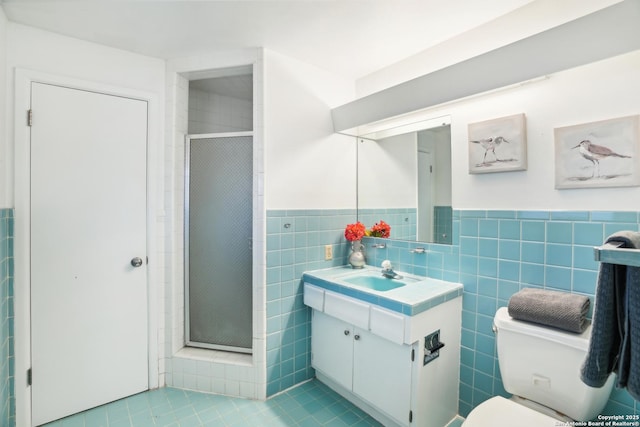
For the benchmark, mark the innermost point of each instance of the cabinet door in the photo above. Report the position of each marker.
(332, 348)
(382, 374)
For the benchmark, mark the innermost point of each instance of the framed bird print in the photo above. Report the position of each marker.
(605, 153)
(498, 145)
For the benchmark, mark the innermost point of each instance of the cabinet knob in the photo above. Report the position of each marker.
(356, 337)
(347, 332)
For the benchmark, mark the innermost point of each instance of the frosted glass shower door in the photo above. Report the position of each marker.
(218, 242)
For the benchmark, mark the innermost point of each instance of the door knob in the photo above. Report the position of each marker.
(136, 262)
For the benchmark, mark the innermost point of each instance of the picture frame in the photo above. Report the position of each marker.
(498, 145)
(604, 153)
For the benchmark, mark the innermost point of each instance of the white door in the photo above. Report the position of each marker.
(88, 222)
(425, 196)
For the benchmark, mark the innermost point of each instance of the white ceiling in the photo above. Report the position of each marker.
(352, 38)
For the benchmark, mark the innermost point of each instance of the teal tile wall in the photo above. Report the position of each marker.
(503, 251)
(495, 254)
(437, 261)
(7, 400)
(402, 221)
(442, 224)
(296, 242)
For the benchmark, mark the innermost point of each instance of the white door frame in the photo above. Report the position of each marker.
(22, 293)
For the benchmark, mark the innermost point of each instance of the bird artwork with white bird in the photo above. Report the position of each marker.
(605, 153)
(594, 153)
(490, 144)
(498, 145)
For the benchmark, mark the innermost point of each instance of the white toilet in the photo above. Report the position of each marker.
(540, 367)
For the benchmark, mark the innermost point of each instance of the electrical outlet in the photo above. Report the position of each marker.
(328, 252)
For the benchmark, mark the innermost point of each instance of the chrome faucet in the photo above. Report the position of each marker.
(387, 270)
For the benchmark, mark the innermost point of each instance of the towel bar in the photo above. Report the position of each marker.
(612, 253)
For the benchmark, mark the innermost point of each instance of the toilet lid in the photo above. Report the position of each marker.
(499, 412)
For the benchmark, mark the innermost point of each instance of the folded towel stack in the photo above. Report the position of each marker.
(550, 308)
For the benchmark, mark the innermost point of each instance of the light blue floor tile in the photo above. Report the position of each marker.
(310, 404)
(456, 422)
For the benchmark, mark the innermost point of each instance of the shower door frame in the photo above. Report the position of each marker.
(187, 174)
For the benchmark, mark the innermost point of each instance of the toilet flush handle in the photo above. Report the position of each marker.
(540, 381)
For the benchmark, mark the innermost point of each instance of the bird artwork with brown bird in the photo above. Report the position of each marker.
(594, 153)
(490, 144)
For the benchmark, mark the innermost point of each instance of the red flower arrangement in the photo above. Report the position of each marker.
(380, 229)
(355, 231)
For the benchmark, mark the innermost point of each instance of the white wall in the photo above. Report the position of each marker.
(39, 50)
(388, 172)
(598, 91)
(6, 161)
(308, 166)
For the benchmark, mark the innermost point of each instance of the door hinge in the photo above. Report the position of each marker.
(410, 416)
(29, 376)
(413, 354)
(430, 168)
(29, 118)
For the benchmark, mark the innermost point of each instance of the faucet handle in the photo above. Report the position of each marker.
(386, 264)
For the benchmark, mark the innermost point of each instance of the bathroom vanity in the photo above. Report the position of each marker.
(391, 346)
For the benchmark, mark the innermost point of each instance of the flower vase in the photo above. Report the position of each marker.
(356, 257)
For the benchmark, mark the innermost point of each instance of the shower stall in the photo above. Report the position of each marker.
(218, 242)
(218, 218)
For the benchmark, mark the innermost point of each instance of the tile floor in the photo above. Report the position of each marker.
(310, 404)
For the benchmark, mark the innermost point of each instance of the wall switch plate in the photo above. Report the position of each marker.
(328, 252)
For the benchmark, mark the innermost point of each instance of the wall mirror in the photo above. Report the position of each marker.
(404, 179)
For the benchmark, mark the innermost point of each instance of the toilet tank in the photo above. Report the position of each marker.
(543, 365)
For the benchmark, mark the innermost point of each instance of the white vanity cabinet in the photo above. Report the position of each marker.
(375, 369)
(380, 359)
(332, 348)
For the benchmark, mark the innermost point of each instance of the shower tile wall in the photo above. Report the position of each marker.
(7, 399)
(295, 243)
(495, 254)
(219, 372)
(212, 113)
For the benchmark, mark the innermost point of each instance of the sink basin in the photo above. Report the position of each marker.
(409, 294)
(376, 283)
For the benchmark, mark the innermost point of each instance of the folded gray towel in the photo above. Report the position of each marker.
(560, 310)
